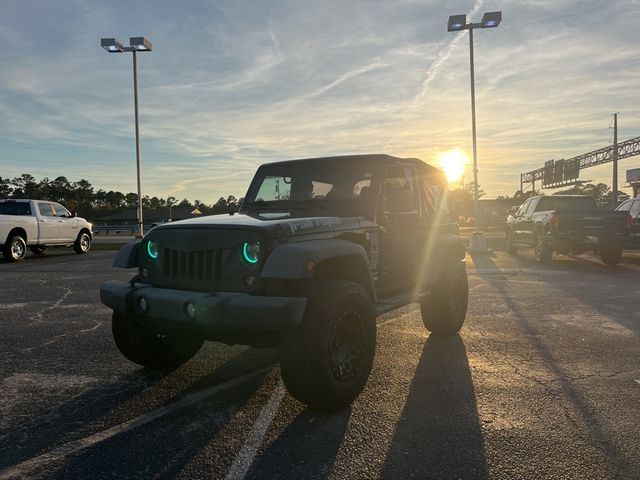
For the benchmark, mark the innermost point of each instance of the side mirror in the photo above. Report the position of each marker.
(74, 214)
(232, 208)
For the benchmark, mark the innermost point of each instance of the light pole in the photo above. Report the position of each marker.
(478, 242)
(137, 44)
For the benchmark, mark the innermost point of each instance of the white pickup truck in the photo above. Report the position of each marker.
(39, 224)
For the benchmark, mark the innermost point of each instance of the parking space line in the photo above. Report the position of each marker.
(244, 459)
(73, 446)
(637, 381)
(396, 319)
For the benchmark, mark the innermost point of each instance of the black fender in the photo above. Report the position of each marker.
(332, 258)
(128, 256)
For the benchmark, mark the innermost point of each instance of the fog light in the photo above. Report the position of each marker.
(191, 310)
(144, 272)
(142, 303)
(250, 280)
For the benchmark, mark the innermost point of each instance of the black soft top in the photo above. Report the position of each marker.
(381, 158)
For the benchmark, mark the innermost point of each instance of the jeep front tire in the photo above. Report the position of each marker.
(151, 349)
(444, 308)
(326, 361)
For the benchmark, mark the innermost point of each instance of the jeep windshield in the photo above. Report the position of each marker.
(311, 185)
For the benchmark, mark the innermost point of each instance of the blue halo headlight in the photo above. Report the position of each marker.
(152, 249)
(251, 252)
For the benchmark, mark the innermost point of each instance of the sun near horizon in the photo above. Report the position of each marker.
(453, 163)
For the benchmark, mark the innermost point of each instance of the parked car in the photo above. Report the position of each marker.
(567, 224)
(632, 206)
(319, 248)
(37, 225)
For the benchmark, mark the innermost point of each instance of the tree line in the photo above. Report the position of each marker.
(83, 198)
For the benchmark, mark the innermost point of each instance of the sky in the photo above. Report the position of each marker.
(233, 84)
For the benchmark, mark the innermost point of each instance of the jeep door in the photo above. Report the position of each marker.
(401, 229)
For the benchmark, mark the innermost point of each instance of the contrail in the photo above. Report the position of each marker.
(442, 57)
(347, 76)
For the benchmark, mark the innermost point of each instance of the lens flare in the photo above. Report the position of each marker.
(453, 163)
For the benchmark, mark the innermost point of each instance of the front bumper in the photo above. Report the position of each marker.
(221, 311)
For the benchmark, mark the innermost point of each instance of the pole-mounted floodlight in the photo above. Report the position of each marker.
(137, 44)
(111, 45)
(491, 19)
(140, 44)
(456, 22)
(478, 242)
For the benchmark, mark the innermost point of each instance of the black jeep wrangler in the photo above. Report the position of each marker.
(317, 250)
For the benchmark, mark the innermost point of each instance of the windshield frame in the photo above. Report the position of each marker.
(320, 205)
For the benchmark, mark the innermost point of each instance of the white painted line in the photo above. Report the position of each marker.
(244, 459)
(22, 469)
(396, 319)
(637, 381)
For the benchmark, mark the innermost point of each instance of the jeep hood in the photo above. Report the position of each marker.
(281, 225)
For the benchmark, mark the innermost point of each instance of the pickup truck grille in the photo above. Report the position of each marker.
(180, 265)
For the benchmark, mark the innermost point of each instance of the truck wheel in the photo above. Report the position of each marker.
(37, 249)
(445, 307)
(326, 361)
(511, 248)
(15, 249)
(152, 349)
(83, 243)
(541, 249)
(611, 255)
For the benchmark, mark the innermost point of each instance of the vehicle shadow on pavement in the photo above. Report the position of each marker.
(307, 448)
(439, 434)
(567, 263)
(169, 446)
(60, 424)
(114, 402)
(599, 299)
(561, 386)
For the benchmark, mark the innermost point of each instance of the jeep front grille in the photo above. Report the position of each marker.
(180, 265)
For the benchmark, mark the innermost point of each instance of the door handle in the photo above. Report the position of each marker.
(43, 220)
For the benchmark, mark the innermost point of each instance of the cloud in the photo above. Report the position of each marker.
(226, 89)
(443, 56)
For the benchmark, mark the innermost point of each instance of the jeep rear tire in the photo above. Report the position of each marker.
(151, 349)
(611, 255)
(445, 307)
(326, 361)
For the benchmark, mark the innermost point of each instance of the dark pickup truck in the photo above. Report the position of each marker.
(319, 248)
(632, 207)
(567, 224)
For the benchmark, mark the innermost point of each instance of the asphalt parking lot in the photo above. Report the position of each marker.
(542, 382)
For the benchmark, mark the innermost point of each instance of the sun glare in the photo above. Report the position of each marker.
(453, 163)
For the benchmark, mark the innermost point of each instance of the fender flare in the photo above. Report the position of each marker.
(289, 261)
(128, 256)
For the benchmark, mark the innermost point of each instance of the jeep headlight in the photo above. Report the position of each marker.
(152, 249)
(251, 252)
